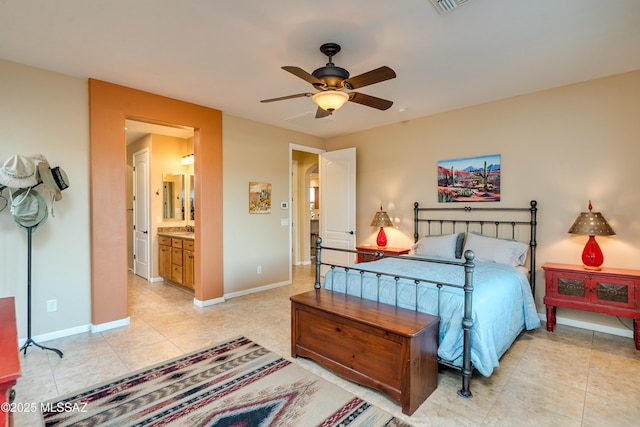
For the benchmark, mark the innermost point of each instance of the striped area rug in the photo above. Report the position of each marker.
(236, 383)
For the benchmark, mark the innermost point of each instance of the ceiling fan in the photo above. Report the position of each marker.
(332, 83)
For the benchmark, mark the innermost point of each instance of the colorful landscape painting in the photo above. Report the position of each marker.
(472, 179)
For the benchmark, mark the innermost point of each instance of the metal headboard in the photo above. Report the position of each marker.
(419, 216)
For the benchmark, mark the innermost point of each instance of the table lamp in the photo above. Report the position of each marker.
(592, 224)
(381, 219)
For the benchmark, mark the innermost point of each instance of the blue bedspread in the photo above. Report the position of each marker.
(502, 303)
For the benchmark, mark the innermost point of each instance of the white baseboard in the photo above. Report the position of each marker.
(56, 334)
(155, 279)
(208, 302)
(255, 290)
(77, 330)
(110, 325)
(622, 332)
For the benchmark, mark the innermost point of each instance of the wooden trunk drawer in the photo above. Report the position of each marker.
(188, 245)
(166, 241)
(359, 347)
(388, 348)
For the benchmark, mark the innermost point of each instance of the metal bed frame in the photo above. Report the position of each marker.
(453, 225)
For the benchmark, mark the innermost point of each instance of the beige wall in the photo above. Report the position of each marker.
(47, 113)
(560, 147)
(256, 152)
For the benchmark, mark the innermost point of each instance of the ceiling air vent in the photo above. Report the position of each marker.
(444, 6)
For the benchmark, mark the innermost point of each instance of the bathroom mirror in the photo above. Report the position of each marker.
(173, 188)
(191, 198)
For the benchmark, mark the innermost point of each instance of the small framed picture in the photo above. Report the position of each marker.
(259, 197)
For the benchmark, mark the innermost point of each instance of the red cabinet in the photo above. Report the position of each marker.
(611, 291)
(9, 361)
(371, 255)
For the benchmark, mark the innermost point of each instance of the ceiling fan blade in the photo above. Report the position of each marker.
(320, 113)
(299, 72)
(298, 95)
(371, 77)
(370, 101)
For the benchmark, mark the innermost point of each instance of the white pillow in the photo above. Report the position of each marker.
(501, 251)
(437, 246)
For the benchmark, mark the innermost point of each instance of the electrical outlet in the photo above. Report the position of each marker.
(52, 305)
(259, 270)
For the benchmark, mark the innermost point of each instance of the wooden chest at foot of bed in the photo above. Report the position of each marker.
(390, 349)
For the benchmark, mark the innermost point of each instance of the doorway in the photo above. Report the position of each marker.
(304, 169)
(337, 202)
(109, 104)
(166, 148)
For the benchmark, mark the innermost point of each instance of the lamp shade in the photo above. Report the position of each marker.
(592, 224)
(381, 219)
(330, 100)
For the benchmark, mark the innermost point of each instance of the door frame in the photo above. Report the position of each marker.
(294, 205)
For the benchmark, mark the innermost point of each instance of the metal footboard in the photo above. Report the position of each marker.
(467, 321)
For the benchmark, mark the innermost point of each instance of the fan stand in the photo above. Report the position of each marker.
(30, 340)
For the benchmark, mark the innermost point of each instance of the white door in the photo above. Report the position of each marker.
(141, 263)
(338, 204)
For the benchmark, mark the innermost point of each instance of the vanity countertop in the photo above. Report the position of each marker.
(178, 234)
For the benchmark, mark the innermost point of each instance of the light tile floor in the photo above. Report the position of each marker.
(572, 377)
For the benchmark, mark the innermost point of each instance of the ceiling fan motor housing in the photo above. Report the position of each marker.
(331, 75)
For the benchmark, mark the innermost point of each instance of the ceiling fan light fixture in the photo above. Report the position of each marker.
(330, 100)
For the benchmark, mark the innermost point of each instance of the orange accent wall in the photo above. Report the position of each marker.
(109, 106)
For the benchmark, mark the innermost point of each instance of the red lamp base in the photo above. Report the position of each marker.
(592, 256)
(382, 238)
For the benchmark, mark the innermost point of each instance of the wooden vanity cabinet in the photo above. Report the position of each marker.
(176, 260)
(164, 257)
(188, 256)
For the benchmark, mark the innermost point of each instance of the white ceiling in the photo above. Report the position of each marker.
(227, 54)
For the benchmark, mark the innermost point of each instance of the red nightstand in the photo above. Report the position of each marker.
(610, 291)
(371, 250)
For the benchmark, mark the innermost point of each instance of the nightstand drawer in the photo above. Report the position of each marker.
(617, 292)
(590, 287)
